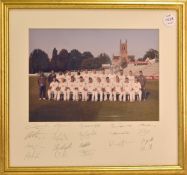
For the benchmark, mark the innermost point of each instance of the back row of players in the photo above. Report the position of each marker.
(96, 86)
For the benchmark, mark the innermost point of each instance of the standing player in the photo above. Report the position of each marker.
(142, 80)
(127, 90)
(60, 76)
(112, 76)
(42, 86)
(103, 76)
(86, 76)
(137, 90)
(77, 76)
(68, 76)
(94, 76)
(121, 76)
(51, 76)
(53, 89)
(131, 77)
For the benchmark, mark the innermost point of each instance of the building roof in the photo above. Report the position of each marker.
(116, 57)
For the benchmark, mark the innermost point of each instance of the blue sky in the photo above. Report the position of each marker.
(94, 40)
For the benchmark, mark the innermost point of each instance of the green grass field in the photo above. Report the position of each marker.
(93, 111)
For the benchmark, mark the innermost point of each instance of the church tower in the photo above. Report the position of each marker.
(122, 59)
(123, 52)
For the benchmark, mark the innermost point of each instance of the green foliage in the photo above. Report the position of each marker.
(151, 54)
(38, 61)
(62, 60)
(86, 55)
(53, 63)
(73, 60)
(96, 63)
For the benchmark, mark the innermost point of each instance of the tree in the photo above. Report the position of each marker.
(62, 60)
(151, 54)
(95, 63)
(103, 58)
(87, 63)
(38, 61)
(75, 59)
(86, 55)
(54, 58)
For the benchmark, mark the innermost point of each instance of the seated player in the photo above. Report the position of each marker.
(137, 90)
(74, 90)
(107, 90)
(117, 89)
(127, 90)
(82, 89)
(98, 90)
(90, 88)
(53, 89)
(71, 89)
(62, 89)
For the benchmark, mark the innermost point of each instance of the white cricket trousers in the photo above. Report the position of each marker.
(64, 94)
(84, 95)
(129, 95)
(139, 93)
(114, 95)
(110, 95)
(50, 92)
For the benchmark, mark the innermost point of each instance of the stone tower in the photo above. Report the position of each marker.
(123, 52)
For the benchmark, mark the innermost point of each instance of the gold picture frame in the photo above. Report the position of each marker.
(181, 8)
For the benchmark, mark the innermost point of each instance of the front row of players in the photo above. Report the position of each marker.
(112, 91)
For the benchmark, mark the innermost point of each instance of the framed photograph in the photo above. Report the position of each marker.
(93, 87)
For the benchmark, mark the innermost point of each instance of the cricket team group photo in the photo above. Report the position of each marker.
(97, 75)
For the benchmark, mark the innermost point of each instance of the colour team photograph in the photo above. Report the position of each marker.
(80, 75)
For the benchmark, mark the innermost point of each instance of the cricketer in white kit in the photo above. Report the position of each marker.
(90, 88)
(117, 90)
(137, 90)
(82, 89)
(127, 90)
(72, 89)
(62, 90)
(107, 89)
(98, 93)
(52, 89)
